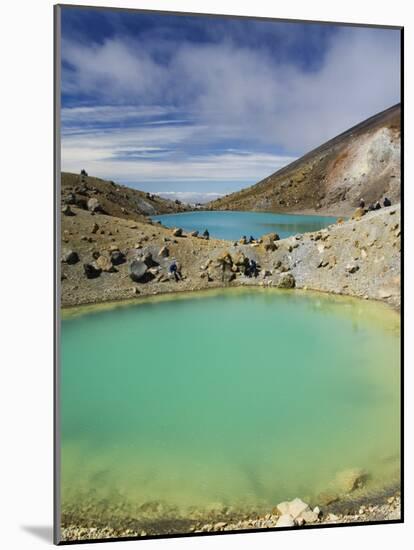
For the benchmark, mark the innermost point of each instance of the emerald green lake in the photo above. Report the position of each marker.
(243, 397)
(232, 225)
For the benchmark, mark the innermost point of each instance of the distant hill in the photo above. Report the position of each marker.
(362, 162)
(115, 200)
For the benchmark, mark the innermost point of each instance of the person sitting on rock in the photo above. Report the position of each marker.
(173, 271)
(387, 202)
(251, 239)
(206, 234)
(252, 270)
(377, 205)
(361, 203)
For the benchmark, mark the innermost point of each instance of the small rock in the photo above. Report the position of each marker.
(177, 232)
(105, 264)
(359, 212)
(70, 257)
(91, 271)
(309, 516)
(94, 205)
(164, 252)
(67, 211)
(117, 257)
(95, 228)
(285, 520)
(352, 268)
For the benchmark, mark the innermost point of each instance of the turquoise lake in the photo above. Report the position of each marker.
(243, 397)
(233, 225)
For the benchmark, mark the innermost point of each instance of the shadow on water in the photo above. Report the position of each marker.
(43, 532)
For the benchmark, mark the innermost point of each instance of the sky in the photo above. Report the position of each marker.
(194, 107)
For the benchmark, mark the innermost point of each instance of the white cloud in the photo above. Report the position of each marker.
(190, 197)
(226, 94)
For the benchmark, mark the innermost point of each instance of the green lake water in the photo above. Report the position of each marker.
(239, 397)
(233, 225)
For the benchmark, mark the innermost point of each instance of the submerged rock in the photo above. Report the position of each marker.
(350, 480)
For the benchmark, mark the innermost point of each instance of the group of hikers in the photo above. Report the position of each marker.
(376, 206)
(245, 240)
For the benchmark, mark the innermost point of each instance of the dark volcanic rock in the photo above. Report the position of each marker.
(67, 211)
(91, 271)
(117, 257)
(70, 257)
(138, 271)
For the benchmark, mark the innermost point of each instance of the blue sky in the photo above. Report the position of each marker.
(194, 107)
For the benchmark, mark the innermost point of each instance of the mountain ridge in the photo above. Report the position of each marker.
(361, 162)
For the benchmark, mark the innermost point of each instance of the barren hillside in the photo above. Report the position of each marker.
(361, 162)
(113, 199)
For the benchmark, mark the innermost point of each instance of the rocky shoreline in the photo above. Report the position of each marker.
(359, 257)
(290, 514)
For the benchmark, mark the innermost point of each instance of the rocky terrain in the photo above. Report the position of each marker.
(98, 195)
(361, 162)
(107, 258)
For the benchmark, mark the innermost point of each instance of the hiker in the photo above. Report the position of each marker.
(251, 239)
(252, 270)
(243, 240)
(387, 202)
(361, 203)
(377, 205)
(206, 234)
(173, 271)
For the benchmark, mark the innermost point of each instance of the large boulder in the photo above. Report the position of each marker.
(139, 272)
(286, 280)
